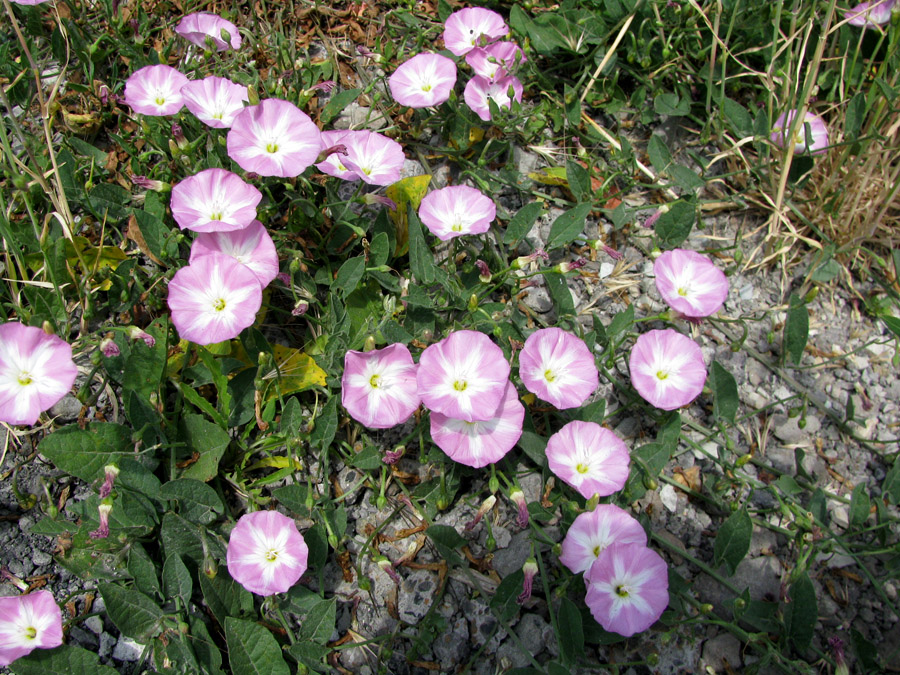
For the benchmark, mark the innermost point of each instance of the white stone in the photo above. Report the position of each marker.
(669, 497)
(127, 649)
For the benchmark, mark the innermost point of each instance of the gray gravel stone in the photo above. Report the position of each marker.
(508, 560)
(127, 649)
(416, 596)
(40, 558)
(452, 646)
(722, 653)
(67, 409)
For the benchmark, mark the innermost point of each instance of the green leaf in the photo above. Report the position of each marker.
(291, 421)
(337, 103)
(788, 485)
(379, 249)
(737, 117)
(143, 571)
(675, 225)
(133, 613)
(866, 652)
(311, 655)
(620, 322)
(62, 660)
(801, 613)
(571, 635)
(733, 540)
(891, 485)
(154, 231)
(686, 177)
(725, 391)
(446, 540)
(252, 650)
(592, 412)
(186, 539)
(88, 150)
(196, 501)
(535, 446)
(209, 441)
(224, 596)
(177, 579)
(579, 182)
(892, 322)
(859, 506)
(652, 458)
(559, 291)
(568, 226)
(109, 201)
(522, 222)
(796, 328)
(318, 625)
(219, 378)
(293, 497)
(325, 425)
(508, 590)
(660, 156)
(855, 115)
(368, 459)
(669, 103)
(421, 259)
(349, 276)
(83, 454)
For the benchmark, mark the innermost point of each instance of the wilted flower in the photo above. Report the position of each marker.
(530, 570)
(594, 530)
(27, 2)
(36, 371)
(495, 60)
(517, 497)
(627, 588)
(378, 388)
(872, 13)
(423, 81)
(457, 210)
(472, 27)
(199, 27)
(811, 136)
(479, 89)
(558, 367)
(110, 473)
(136, 333)
(145, 183)
(214, 200)
(102, 532)
(266, 553)
(486, 506)
(109, 348)
(215, 101)
(667, 368)
(274, 138)
(28, 622)
(155, 90)
(252, 247)
(213, 299)
(591, 459)
(484, 272)
(375, 158)
(690, 283)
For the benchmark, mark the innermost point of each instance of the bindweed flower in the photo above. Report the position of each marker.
(335, 153)
(155, 90)
(530, 570)
(558, 367)
(214, 200)
(27, 2)
(136, 333)
(110, 473)
(472, 27)
(480, 443)
(517, 497)
(811, 136)
(486, 506)
(28, 622)
(301, 308)
(375, 158)
(145, 183)
(455, 211)
(479, 89)
(213, 299)
(252, 247)
(565, 267)
(484, 272)
(423, 81)
(109, 348)
(627, 588)
(36, 371)
(591, 459)
(496, 60)
(651, 221)
(690, 283)
(274, 138)
(378, 388)
(594, 530)
(667, 368)
(181, 142)
(215, 101)
(464, 376)
(530, 262)
(203, 26)
(837, 651)
(872, 13)
(325, 86)
(387, 567)
(266, 553)
(104, 510)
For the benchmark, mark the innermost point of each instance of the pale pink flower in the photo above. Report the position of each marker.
(28, 2)
(472, 27)
(591, 459)
(690, 283)
(627, 588)
(333, 164)
(198, 27)
(102, 532)
(213, 299)
(423, 81)
(457, 210)
(274, 138)
(252, 247)
(496, 60)
(463, 376)
(558, 367)
(378, 388)
(873, 13)
(667, 368)
(266, 553)
(480, 443)
(155, 90)
(28, 622)
(816, 144)
(530, 570)
(215, 101)
(36, 371)
(594, 530)
(479, 89)
(136, 333)
(214, 200)
(375, 158)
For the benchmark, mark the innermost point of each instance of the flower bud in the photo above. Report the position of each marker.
(530, 569)
(486, 506)
(109, 348)
(136, 333)
(484, 272)
(369, 344)
(102, 532)
(517, 497)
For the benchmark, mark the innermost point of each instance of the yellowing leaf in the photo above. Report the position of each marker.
(296, 371)
(176, 357)
(551, 175)
(276, 463)
(475, 134)
(405, 192)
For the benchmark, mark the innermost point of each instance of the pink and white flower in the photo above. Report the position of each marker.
(593, 460)
(215, 101)
(627, 588)
(457, 210)
(667, 368)
(199, 26)
(28, 622)
(213, 299)
(479, 89)
(872, 13)
(214, 200)
(472, 27)
(496, 60)
(266, 553)
(155, 90)
(274, 138)
(815, 143)
(375, 158)
(423, 81)
(378, 388)
(463, 376)
(478, 444)
(558, 367)
(333, 165)
(594, 530)
(36, 371)
(252, 247)
(690, 283)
